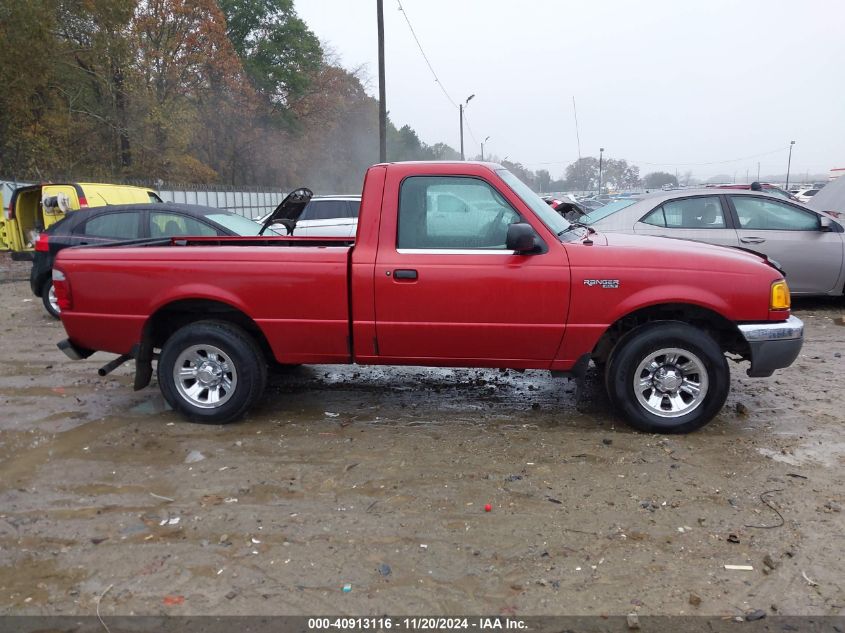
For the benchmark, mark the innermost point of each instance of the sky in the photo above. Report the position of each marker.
(708, 86)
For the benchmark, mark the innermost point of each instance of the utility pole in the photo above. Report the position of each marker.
(789, 164)
(461, 114)
(580, 173)
(482, 148)
(758, 171)
(601, 156)
(382, 102)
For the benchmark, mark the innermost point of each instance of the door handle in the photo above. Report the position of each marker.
(752, 240)
(404, 274)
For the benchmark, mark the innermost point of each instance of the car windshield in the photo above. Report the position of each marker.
(777, 191)
(238, 224)
(608, 209)
(548, 216)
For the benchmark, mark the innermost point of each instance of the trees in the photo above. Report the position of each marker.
(657, 179)
(227, 91)
(543, 179)
(582, 175)
(279, 51)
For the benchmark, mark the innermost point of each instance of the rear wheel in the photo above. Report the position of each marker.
(668, 377)
(211, 372)
(48, 298)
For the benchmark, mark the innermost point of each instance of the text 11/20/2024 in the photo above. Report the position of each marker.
(416, 623)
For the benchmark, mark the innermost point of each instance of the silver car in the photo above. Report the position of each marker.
(808, 245)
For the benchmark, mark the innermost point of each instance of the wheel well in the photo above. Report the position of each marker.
(173, 316)
(723, 331)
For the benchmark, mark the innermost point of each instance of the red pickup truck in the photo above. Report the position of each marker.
(454, 264)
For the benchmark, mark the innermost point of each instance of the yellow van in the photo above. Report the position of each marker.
(33, 208)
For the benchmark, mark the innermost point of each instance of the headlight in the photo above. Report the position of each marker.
(779, 298)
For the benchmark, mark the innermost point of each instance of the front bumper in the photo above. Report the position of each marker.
(774, 345)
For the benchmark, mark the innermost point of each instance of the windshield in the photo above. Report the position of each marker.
(548, 216)
(238, 224)
(779, 192)
(608, 209)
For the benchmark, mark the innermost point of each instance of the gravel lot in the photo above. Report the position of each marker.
(378, 479)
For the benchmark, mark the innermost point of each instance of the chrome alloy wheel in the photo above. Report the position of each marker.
(54, 302)
(205, 376)
(671, 382)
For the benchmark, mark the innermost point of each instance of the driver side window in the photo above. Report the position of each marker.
(452, 212)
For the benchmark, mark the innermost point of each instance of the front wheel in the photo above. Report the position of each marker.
(668, 377)
(211, 372)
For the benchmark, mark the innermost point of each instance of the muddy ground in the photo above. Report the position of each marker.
(377, 479)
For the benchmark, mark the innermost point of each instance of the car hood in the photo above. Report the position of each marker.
(291, 207)
(681, 253)
(830, 198)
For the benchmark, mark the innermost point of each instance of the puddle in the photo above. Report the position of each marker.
(826, 453)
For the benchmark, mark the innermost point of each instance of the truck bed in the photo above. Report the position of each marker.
(271, 280)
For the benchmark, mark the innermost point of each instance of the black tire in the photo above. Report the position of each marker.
(236, 351)
(700, 361)
(46, 287)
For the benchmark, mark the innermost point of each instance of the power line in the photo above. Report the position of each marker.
(717, 162)
(643, 162)
(425, 57)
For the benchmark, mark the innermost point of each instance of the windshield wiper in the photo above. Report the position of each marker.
(578, 225)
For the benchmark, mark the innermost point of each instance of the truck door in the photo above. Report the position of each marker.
(449, 292)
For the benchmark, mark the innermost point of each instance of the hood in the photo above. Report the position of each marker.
(830, 198)
(290, 208)
(687, 254)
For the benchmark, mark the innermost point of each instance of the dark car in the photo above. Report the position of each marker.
(119, 223)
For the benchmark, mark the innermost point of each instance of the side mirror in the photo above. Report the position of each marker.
(825, 225)
(522, 238)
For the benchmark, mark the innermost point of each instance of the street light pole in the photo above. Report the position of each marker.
(789, 164)
(382, 104)
(461, 114)
(601, 157)
(482, 148)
